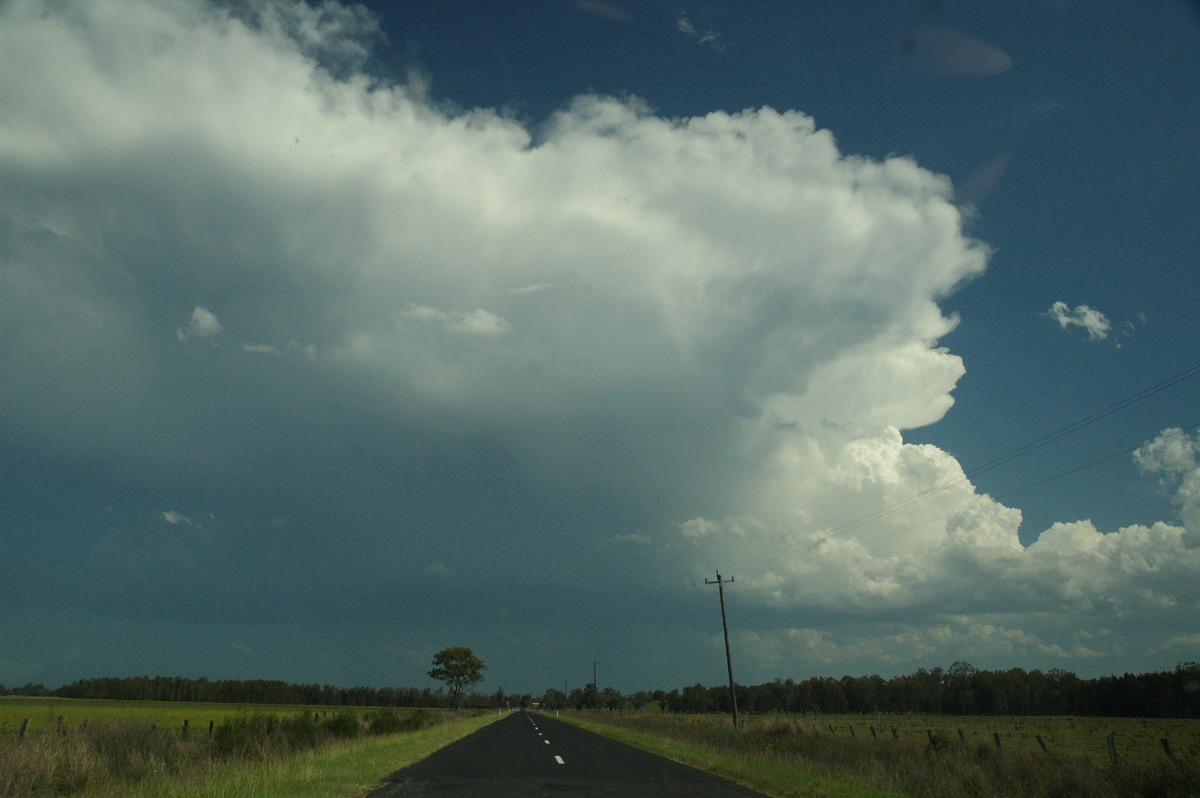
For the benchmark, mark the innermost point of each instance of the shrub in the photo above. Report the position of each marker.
(386, 721)
(343, 725)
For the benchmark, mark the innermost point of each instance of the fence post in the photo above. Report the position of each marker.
(185, 728)
(895, 734)
(873, 734)
(962, 738)
(1112, 749)
(1042, 743)
(24, 726)
(1166, 744)
(996, 737)
(851, 728)
(60, 725)
(210, 728)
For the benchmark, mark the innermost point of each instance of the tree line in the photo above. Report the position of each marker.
(256, 691)
(960, 689)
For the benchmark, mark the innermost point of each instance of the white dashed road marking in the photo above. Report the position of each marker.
(559, 760)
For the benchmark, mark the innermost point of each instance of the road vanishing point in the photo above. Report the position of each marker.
(526, 754)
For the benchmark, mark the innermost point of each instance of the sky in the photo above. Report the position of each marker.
(333, 335)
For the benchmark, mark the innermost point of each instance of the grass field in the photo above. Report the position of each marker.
(800, 755)
(1133, 738)
(340, 770)
(43, 713)
(108, 749)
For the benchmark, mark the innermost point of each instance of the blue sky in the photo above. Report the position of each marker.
(331, 336)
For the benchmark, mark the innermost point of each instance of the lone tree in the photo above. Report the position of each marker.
(459, 668)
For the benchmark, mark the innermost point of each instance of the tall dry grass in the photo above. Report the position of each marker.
(98, 757)
(49, 763)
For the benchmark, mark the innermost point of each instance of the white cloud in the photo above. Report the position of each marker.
(1172, 453)
(743, 322)
(203, 324)
(707, 38)
(633, 539)
(601, 9)
(1093, 321)
(1176, 456)
(533, 289)
(176, 518)
(475, 322)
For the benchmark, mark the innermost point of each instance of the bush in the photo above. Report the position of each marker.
(386, 721)
(343, 725)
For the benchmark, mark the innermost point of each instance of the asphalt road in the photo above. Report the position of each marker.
(525, 754)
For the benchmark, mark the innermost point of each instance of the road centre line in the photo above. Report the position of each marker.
(559, 759)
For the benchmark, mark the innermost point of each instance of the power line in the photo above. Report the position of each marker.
(980, 499)
(996, 462)
(1146, 393)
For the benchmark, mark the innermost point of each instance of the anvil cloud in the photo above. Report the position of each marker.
(294, 356)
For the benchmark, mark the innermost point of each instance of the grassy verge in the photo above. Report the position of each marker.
(43, 712)
(339, 770)
(785, 757)
(255, 755)
(759, 770)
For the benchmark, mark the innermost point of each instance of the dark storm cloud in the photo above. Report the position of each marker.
(285, 348)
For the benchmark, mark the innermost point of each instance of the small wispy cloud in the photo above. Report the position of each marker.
(532, 289)
(460, 322)
(631, 539)
(176, 518)
(203, 324)
(707, 38)
(603, 10)
(1091, 320)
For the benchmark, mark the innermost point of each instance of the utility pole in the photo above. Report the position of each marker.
(595, 690)
(720, 583)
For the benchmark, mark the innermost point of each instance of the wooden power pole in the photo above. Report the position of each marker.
(720, 583)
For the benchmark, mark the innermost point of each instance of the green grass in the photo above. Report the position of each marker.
(763, 771)
(339, 770)
(108, 749)
(43, 712)
(800, 756)
(1078, 737)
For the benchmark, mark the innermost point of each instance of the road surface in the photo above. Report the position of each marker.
(525, 754)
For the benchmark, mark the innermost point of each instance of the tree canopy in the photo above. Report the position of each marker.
(459, 668)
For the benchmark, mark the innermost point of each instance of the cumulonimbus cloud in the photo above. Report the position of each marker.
(704, 335)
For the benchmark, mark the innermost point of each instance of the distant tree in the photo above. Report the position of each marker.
(640, 699)
(459, 668)
(554, 699)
